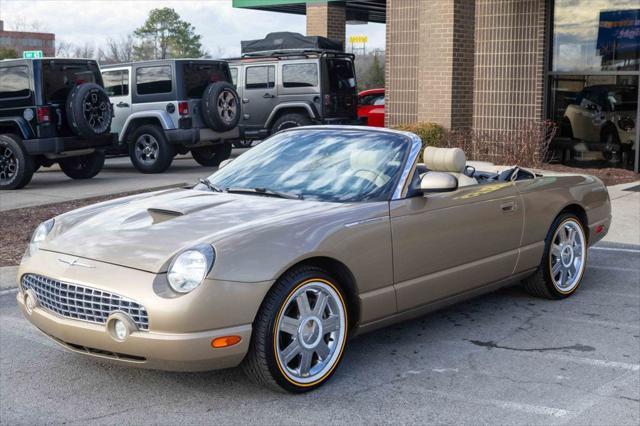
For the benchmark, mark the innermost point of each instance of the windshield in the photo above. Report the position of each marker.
(325, 165)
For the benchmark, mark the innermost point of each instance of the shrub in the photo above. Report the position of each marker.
(527, 146)
(432, 134)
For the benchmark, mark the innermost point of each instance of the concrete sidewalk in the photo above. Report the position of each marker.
(625, 207)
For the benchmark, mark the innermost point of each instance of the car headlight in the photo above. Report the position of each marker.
(39, 235)
(189, 268)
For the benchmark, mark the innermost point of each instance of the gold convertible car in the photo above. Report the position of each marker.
(314, 236)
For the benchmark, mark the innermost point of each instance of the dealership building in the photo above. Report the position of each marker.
(498, 64)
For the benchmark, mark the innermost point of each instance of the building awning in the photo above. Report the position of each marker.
(357, 10)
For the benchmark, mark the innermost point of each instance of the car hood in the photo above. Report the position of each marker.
(146, 233)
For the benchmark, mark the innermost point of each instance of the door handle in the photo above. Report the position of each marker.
(245, 100)
(268, 95)
(509, 206)
(122, 105)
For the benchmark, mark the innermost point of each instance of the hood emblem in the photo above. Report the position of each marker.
(75, 262)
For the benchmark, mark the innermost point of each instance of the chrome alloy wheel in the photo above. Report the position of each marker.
(310, 332)
(146, 149)
(227, 106)
(8, 164)
(567, 258)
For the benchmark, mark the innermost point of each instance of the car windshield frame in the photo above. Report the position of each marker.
(406, 146)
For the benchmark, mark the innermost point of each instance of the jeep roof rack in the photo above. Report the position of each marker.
(292, 54)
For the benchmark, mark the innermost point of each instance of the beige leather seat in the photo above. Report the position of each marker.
(448, 160)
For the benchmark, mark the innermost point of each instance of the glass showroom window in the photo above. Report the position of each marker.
(593, 81)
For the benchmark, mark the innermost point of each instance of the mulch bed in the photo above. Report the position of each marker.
(609, 175)
(18, 225)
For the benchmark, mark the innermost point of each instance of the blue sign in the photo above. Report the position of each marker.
(619, 34)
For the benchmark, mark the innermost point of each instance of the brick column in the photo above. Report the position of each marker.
(327, 20)
(430, 61)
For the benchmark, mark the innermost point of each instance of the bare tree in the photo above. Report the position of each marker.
(20, 23)
(86, 50)
(63, 48)
(117, 50)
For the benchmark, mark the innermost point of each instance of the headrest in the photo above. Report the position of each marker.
(366, 160)
(444, 159)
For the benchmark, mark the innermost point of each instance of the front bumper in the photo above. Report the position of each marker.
(69, 143)
(181, 328)
(199, 137)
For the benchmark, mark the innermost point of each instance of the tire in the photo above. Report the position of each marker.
(608, 139)
(271, 340)
(83, 166)
(213, 155)
(546, 282)
(149, 150)
(88, 110)
(16, 166)
(243, 143)
(221, 106)
(287, 121)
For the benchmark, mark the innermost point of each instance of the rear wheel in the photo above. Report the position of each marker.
(563, 262)
(288, 121)
(149, 150)
(212, 156)
(299, 333)
(16, 166)
(83, 166)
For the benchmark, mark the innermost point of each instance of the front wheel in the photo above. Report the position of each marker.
(300, 332)
(83, 166)
(213, 155)
(563, 262)
(288, 121)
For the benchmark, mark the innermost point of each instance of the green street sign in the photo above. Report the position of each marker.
(32, 54)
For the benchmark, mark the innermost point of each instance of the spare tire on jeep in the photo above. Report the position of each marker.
(220, 106)
(89, 110)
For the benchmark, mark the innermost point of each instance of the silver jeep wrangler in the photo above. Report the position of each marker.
(167, 107)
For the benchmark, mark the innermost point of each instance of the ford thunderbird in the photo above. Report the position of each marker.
(315, 235)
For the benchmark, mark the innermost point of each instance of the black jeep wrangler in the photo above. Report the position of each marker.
(52, 111)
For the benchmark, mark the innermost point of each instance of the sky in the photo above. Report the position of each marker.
(222, 27)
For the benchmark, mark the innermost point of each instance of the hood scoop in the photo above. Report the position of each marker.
(162, 215)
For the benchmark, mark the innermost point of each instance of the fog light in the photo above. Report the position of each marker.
(30, 303)
(120, 329)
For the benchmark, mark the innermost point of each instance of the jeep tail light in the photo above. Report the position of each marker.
(44, 114)
(183, 108)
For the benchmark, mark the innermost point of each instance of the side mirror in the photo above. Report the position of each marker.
(434, 182)
(225, 163)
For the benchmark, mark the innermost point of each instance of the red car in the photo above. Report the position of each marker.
(371, 107)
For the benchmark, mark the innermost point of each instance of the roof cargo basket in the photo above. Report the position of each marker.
(282, 43)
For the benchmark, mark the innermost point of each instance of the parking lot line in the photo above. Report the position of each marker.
(624, 250)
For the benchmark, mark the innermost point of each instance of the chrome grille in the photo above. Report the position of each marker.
(82, 303)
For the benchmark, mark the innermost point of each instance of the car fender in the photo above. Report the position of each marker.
(162, 116)
(308, 106)
(21, 124)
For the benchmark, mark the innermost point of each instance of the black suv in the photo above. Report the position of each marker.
(173, 106)
(52, 111)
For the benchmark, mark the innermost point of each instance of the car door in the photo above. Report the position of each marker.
(117, 84)
(259, 96)
(449, 243)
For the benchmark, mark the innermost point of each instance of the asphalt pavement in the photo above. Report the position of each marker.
(504, 358)
(50, 185)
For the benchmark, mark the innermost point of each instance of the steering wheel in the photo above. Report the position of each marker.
(469, 171)
(376, 178)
